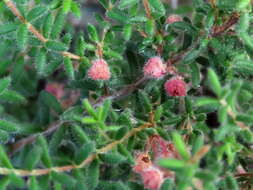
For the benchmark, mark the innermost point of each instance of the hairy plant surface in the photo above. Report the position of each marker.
(147, 97)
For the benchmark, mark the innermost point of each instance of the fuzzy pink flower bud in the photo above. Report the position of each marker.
(152, 178)
(142, 162)
(173, 18)
(175, 87)
(99, 70)
(154, 68)
(55, 89)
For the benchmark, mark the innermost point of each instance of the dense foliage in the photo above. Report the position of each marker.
(81, 110)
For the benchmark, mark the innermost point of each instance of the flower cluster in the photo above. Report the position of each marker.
(173, 18)
(175, 87)
(99, 70)
(154, 68)
(152, 175)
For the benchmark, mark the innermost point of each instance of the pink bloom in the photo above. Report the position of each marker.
(99, 70)
(143, 162)
(162, 148)
(175, 87)
(173, 18)
(152, 178)
(55, 89)
(154, 68)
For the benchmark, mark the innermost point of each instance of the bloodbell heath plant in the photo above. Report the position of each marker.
(99, 70)
(173, 18)
(149, 95)
(154, 68)
(175, 87)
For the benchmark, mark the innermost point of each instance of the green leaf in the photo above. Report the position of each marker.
(127, 31)
(214, 82)
(89, 120)
(7, 28)
(33, 157)
(4, 158)
(4, 136)
(4, 182)
(66, 6)
(167, 185)
(51, 101)
(180, 146)
(243, 4)
(36, 12)
(204, 101)
(158, 113)
(117, 15)
(56, 46)
(84, 151)
(105, 109)
(47, 25)
(8, 126)
(58, 24)
(17, 181)
(92, 33)
(22, 36)
(125, 152)
(69, 68)
(80, 134)
(104, 3)
(158, 6)
(121, 132)
(33, 184)
(144, 100)
(206, 176)
(112, 158)
(127, 3)
(150, 27)
(172, 163)
(45, 154)
(64, 179)
(75, 8)
(4, 83)
(195, 74)
(231, 183)
(92, 175)
(40, 61)
(244, 118)
(191, 56)
(89, 108)
(12, 97)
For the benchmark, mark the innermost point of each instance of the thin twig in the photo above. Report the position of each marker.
(147, 8)
(33, 30)
(218, 30)
(39, 172)
(244, 175)
(200, 154)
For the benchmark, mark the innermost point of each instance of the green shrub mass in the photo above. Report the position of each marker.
(61, 130)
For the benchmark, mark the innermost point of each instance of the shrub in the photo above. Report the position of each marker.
(150, 97)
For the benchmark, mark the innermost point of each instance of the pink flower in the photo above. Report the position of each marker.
(55, 89)
(173, 18)
(152, 178)
(175, 87)
(162, 148)
(99, 70)
(154, 68)
(143, 162)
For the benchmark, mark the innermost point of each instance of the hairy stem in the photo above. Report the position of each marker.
(33, 30)
(39, 172)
